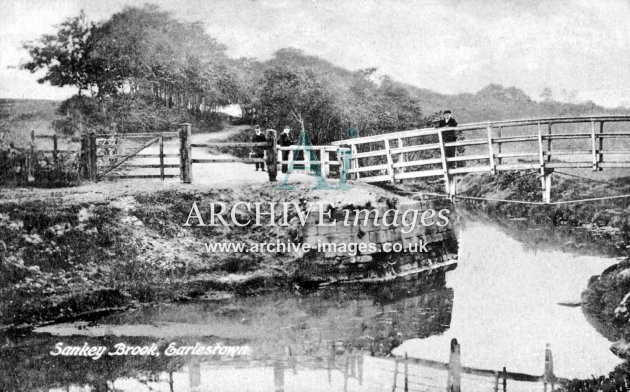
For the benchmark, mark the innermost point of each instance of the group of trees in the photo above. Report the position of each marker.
(141, 60)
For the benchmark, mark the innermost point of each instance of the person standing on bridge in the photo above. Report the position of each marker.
(450, 135)
(284, 140)
(259, 151)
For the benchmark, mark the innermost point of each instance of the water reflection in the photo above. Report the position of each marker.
(323, 335)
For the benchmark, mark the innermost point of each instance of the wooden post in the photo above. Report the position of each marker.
(345, 373)
(499, 144)
(92, 155)
(390, 162)
(490, 151)
(594, 147)
(162, 157)
(331, 362)
(272, 155)
(546, 193)
(355, 161)
(323, 162)
(360, 367)
(549, 143)
(601, 145)
(496, 382)
(454, 381)
(447, 177)
(547, 186)
(84, 157)
(30, 167)
(395, 375)
(55, 150)
(185, 153)
(406, 373)
(504, 379)
(278, 376)
(548, 376)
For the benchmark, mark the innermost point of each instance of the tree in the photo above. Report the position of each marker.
(546, 95)
(65, 55)
(297, 97)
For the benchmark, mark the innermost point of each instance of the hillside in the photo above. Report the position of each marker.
(495, 102)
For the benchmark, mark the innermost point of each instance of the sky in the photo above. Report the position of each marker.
(577, 48)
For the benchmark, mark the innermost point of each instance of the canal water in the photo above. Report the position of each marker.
(500, 303)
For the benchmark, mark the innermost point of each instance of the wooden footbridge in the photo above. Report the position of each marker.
(542, 144)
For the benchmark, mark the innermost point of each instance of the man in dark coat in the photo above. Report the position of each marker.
(259, 151)
(284, 140)
(448, 136)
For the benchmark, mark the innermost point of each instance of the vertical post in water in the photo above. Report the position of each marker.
(272, 155)
(496, 381)
(162, 157)
(278, 376)
(548, 376)
(55, 150)
(454, 381)
(92, 155)
(346, 367)
(406, 373)
(395, 375)
(447, 177)
(185, 153)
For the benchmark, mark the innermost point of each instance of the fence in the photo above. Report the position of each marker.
(312, 158)
(491, 147)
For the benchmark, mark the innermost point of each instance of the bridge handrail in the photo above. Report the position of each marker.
(481, 126)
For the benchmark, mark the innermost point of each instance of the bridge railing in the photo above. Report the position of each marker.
(324, 157)
(542, 144)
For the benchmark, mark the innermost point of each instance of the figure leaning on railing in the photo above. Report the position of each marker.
(259, 151)
(450, 135)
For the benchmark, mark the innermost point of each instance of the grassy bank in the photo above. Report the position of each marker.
(60, 260)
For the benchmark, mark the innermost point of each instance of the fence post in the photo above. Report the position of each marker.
(390, 162)
(548, 376)
(545, 177)
(272, 155)
(55, 149)
(185, 153)
(500, 135)
(406, 372)
(454, 381)
(355, 161)
(549, 156)
(594, 146)
(447, 177)
(504, 379)
(278, 376)
(490, 150)
(323, 162)
(30, 161)
(84, 157)
(162, 157)
(92, 156)
(600, 158)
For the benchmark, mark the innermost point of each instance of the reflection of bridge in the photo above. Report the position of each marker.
(542, 144)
